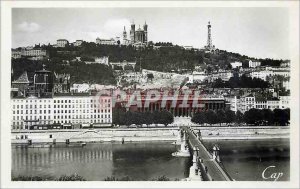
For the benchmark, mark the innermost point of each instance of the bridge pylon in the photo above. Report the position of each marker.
(195, 173)
(216, 153)
(184, 148)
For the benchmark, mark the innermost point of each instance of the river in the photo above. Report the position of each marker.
(244, 160)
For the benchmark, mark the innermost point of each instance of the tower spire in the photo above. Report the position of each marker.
(209, 40)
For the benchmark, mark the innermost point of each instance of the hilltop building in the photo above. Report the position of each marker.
(254, 64)
(138, 37)
(30, 53)
(110, 41)
(62, 42)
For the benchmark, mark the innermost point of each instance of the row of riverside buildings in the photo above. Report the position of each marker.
(61, 112)
(245, 103)
(45, 101)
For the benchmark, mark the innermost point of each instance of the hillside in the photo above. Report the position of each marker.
(167, 58)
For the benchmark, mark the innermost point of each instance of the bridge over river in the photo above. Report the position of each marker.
(206, 166)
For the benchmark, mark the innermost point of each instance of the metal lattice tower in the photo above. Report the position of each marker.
(209, 41)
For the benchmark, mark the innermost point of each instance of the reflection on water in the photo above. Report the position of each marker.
(244, 160)
(140, 161)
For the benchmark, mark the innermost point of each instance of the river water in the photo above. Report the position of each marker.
(244, 160)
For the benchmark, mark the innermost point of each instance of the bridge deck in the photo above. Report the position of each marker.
(215, 171)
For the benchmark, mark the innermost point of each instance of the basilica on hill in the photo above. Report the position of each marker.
(138, 38)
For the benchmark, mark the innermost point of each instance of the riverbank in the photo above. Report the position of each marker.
(146, 134)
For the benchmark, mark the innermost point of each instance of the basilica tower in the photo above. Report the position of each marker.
(124, 36)
(146, 32)
(132, 33)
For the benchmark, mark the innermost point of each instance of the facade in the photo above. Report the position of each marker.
(273, 104)
(173, 104)
(111, 41)
(284, 102)
(246, 103)
(32, 112)
(236, 65)
(62, 42)
(99, 60)
(32, 53)
(253, 64)
(224, 75)
(261, 105)
(139, 37)
(261, 74)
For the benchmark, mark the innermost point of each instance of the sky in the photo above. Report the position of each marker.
(255, 32)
